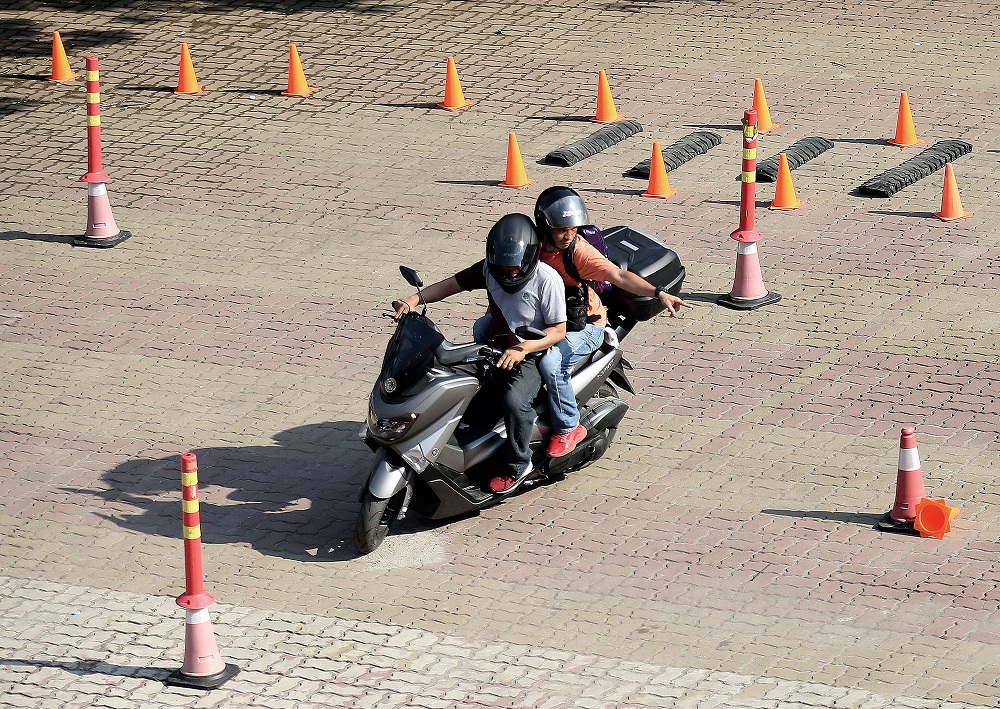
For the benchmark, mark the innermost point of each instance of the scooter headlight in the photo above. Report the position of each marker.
(392, 428)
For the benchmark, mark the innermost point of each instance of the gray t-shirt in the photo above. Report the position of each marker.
(540, 302)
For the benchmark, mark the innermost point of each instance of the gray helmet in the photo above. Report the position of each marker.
(512, 241)
(559, 207)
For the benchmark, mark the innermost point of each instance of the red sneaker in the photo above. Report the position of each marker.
(563, 443)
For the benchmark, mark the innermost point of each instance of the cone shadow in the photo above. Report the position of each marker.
(25, 236)
(859, 518)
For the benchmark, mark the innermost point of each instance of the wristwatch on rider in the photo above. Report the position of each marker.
(657, 291)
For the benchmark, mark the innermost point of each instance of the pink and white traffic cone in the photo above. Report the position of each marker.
(909, 487)
(748, 290)
(102, 231)
(203, 666)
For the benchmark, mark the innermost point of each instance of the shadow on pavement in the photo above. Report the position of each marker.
(920, 215)
(297, 499)
(865, 520)
(25, 236)
(92, 667)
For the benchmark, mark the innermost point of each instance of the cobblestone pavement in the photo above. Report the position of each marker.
(722, 554)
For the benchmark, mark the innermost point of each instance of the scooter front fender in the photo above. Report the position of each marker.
(387, 477)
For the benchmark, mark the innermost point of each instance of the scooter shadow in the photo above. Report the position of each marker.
(297, 499)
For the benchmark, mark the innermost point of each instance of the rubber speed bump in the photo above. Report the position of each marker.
(679, 152)
(916, 168)
(594, 143)
(798, 153)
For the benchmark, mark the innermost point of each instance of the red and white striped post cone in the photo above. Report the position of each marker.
(102, 231)
(909, 487)
(203, 666)
(748, 290)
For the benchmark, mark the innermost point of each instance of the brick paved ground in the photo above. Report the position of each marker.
(721, 555)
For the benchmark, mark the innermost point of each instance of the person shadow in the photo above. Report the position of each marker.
(297, 499)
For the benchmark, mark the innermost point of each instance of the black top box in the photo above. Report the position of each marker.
(647, 257)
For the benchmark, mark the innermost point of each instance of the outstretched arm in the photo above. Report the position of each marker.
(640, 286)
(431, 294)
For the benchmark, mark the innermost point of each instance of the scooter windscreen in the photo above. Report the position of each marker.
(410, 354)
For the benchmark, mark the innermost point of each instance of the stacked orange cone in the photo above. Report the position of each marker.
(186, 81)
(659, 183)
(61, 71)
(951, 203)
(297, 84)
(606, 111)
(516, 176)
(906, 134)
(784, 191)
(454, 99)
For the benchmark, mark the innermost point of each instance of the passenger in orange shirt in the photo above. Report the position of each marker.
(559, 214)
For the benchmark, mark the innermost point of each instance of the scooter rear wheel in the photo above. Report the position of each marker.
(375, 518)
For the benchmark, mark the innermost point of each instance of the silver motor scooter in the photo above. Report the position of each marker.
(437, 442)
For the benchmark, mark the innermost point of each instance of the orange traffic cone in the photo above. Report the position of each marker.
(909, 487)
(659, 184)
(764, 124)
(933, 518)
(784, 192)
(454, 99)
(951, 203)
(186, 81)
(60, 64)
(606, 111)
(297, 84)
(516, 176)
(906, 134)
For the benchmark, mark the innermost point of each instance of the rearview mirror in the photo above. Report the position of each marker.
(411, 276)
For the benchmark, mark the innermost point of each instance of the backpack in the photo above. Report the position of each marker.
(577, 296)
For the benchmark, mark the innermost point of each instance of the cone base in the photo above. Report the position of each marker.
(729, 301)
(515, 186)
(189, 91)
(653, 195)
(61, 79)
(102, 243)
(459, 107)
(299, 94)
(904, 144)
(606, 121)
(942, 217)
(888, 524)
(179, 679)
(785, 208)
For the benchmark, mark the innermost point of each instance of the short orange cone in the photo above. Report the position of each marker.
(659, 184)
(784, 191)
(951, 203)
(186, 81)
(906, 134)
(297, 84)
(764, 124)
(60, 64)
(516, 176)
(454, 99)
(934, 518)
(606, 111)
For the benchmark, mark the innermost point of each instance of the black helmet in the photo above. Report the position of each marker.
(512, 241)
(559, 207)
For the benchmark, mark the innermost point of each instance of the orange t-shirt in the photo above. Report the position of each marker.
(591, 265)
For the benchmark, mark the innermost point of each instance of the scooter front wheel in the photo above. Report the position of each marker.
(375, 518)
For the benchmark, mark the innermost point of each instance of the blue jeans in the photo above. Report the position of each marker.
(554, 367)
